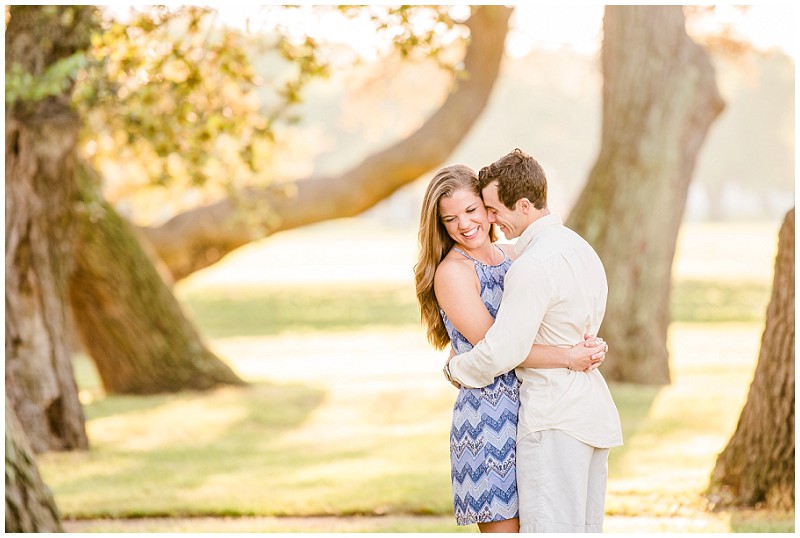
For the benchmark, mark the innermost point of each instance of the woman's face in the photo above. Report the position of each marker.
(465, 219)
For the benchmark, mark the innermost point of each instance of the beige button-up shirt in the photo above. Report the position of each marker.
(555, 291)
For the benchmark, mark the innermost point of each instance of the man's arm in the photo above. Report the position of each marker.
(526, 298)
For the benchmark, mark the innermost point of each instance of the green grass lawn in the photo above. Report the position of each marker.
(265, 311)
(344, 425)
(356, 424)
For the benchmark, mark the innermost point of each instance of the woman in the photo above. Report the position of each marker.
(459, 280)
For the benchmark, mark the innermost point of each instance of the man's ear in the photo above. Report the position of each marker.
(525, 206)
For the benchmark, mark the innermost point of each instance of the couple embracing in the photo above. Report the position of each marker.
(533, 420)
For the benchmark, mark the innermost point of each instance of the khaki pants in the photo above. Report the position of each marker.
(561, 483)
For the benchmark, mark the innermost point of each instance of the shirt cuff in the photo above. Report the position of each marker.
(446, 371)
(466, 376)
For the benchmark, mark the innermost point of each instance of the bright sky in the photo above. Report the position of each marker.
(577, 25)
(549, 25)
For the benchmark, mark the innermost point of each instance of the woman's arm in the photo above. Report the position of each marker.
(583, 356)
(457, 291)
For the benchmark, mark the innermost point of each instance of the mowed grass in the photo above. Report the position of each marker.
(263, 310)
(356, 424)
(350, 276)
(344, 426)
(254, 311)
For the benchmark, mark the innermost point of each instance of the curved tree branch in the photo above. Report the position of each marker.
(200, 237)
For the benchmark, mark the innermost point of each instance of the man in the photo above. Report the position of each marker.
(555, 292)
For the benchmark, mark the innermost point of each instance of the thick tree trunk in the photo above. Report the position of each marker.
(757, 466)
(128, 319)
(201, 237)
(30, 506)
(40, 192)
(659, 100)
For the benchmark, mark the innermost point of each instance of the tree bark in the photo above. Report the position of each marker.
(757, 466)
(129, 321)
(40, 193)
(30, 506)
(659, 99)
(201, 237)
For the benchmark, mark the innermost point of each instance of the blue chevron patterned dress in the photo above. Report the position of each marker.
(484, 431)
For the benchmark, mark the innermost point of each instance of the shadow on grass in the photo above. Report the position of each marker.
(179, 446)
(101, 406)
(762, 521)
(634, 403)
(117, 405)
(705, 301)
(269, 311)
(264, 311)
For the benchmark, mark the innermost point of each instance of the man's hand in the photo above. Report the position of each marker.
(446, 369)
(587, 355)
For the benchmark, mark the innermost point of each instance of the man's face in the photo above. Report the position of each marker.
(510, 221)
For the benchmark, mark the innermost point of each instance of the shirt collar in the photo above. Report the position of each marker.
(527, 237)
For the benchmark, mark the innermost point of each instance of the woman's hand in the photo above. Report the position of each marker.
(587, 355)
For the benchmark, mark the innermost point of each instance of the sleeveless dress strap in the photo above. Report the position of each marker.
(480, 262)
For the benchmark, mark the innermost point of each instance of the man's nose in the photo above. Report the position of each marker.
(492, 217)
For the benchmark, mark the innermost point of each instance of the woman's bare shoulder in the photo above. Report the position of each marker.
(454, 266)
(454, 274)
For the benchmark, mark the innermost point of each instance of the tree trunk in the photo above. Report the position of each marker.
(129, 321)
(201, 237)
(29, 504)
(659, 100)
(757, 466)
(40, 192)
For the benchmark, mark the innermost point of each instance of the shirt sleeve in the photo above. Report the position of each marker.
(526, 298)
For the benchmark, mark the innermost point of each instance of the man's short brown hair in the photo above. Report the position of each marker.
(518, 175)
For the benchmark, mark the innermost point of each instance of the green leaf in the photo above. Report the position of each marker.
(23, 87)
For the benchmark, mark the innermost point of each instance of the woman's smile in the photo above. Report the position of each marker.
(470, 233)
(464, 217)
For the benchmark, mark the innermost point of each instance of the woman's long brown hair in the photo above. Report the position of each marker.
(435, 243)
